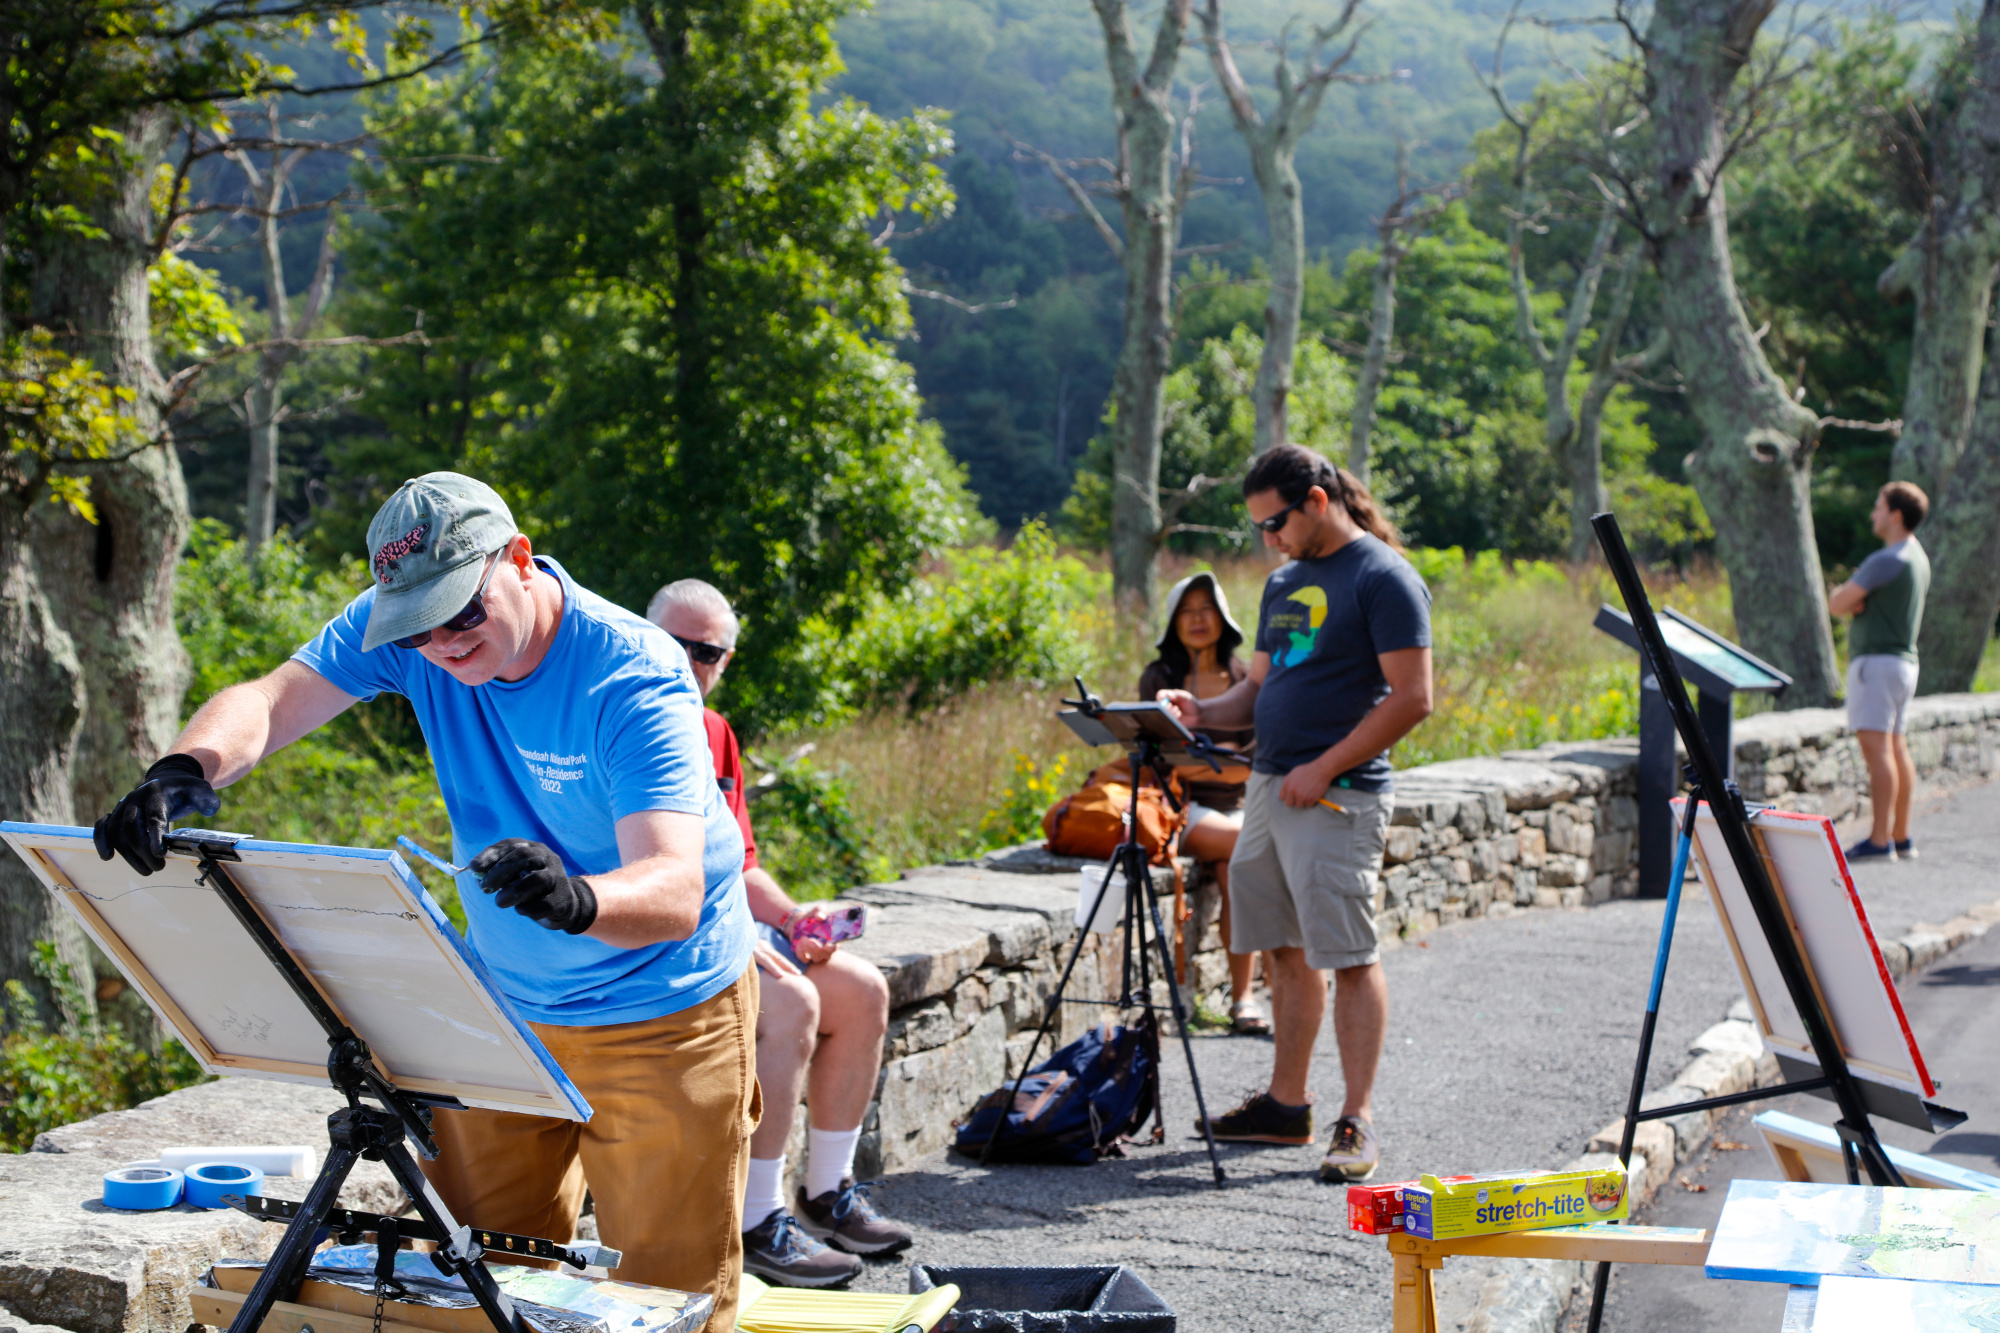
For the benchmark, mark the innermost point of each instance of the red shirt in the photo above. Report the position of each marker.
(729, 776)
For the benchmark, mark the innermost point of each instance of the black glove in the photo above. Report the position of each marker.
(136, 828)
(526, 876)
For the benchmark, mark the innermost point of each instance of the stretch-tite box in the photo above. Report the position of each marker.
(1513, 1201)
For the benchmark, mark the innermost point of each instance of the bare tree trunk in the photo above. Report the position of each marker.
(1949, 268)
(41, 683)
(1962, 536)
(1585, 457)
(264, 403)
(1273, 146)
(1142, 98)
(1753, 470)
(1375, 360)
(110, 585)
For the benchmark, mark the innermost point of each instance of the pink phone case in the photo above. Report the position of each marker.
(845, 924)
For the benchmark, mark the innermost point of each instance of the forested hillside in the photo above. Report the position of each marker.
(1019, 391)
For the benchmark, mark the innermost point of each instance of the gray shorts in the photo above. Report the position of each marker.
(1879, 689)
(1305, 879)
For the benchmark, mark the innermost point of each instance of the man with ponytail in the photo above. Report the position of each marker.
(1342, 671)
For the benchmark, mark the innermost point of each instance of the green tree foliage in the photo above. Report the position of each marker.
(83, 1067)
(1818, 212)
(658, 316)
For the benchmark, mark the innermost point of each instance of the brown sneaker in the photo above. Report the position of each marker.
(1261, 1120)
(778, 1250)
(844, 1218)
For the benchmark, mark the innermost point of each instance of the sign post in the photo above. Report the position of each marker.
(1718, 669)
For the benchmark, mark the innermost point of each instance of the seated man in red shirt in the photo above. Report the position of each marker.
(820, 1022)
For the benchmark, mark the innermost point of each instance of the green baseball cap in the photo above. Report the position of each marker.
(427, 549)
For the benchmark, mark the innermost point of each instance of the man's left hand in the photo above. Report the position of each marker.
(529, 877)
(1305, 785)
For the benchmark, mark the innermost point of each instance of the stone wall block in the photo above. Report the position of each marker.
(923, 1093)
(1399, 845)
(1532, 845)
(1485, 859)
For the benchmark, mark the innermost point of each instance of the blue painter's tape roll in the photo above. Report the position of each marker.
(142, 1187)
(207, 1182)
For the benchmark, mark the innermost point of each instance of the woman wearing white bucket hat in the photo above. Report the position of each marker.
(1197, 646)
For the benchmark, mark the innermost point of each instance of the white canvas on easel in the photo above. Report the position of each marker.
(1843, 962)
(360, 924)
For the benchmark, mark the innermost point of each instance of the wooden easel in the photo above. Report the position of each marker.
(1417, 1260)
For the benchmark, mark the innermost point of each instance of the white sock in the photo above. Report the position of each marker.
(830, 1159)
(765, 1192)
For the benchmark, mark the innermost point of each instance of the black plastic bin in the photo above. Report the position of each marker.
(1098, 1299)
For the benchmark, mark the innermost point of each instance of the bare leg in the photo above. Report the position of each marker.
(853, 1015)
(1360, 1022)
(1212, 841)
(787, 1016)
(1882, 796)
(1298, 1005)
(1906, 784)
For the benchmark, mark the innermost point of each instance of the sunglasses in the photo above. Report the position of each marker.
(1276, 522)
(472, 616)
(704, 654)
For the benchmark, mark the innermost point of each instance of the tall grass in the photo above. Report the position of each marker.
(1516, 664)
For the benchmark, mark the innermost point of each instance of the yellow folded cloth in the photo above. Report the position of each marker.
(764, 1308)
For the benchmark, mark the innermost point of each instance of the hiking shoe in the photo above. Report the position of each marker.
(1867, 850)
(778, 1250)
(1262, 1120)
(1906, 850)
(845, 1218)
(1353, 1153)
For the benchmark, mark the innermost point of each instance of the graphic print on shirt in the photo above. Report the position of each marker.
(1300, 628)
(552, 770)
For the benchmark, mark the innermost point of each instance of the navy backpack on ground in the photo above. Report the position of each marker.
(1077, 1105)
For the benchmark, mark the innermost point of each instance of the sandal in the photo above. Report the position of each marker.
(1247, 1020)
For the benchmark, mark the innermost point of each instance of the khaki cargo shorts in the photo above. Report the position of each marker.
(1305, 879)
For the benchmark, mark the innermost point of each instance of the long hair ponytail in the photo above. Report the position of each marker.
(1292, 470)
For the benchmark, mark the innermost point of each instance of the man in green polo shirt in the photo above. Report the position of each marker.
(1886, 599)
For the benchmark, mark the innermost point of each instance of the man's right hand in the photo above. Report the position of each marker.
(136, 828)
(1183, 705)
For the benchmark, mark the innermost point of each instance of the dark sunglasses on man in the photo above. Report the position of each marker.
(471, 617)
(1276, 522)
(702, 654)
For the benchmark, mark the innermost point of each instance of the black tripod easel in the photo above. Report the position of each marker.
(1861, 1149)
(358, 1131)
(1150, 733)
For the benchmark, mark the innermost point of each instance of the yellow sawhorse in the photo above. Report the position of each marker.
(1418, 1259)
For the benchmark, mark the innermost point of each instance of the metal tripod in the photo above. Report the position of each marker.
(1135, 983)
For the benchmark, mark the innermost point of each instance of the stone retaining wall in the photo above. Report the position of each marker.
(972, 952)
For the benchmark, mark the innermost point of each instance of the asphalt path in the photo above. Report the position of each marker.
(1510, 1043)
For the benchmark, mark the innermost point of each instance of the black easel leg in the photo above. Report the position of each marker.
(1049, 1013)
(1180, 1025)
(281, 1276)
(499, 1309)
(1861, 1151)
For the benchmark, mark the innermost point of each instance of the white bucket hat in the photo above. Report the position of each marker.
(1232, 633)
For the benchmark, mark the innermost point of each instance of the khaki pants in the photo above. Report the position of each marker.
(665, 1155)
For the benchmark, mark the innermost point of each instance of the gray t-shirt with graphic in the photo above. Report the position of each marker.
(1324, 622)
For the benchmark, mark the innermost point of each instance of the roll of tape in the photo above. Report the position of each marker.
(207, 1182)
(142, 1186)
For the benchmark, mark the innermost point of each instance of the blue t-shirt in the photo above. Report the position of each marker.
(1325, 621)
(609, 724)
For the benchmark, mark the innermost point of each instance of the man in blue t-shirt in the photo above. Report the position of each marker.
(1341, 672)
(604, 889)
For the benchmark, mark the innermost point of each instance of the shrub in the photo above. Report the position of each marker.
(808, 835)
(985, 615)
(1017, 816)
(83, 1069)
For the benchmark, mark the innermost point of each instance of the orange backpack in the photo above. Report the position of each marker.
(1091, 822)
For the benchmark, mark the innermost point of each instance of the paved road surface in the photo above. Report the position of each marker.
(1510, 1043)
